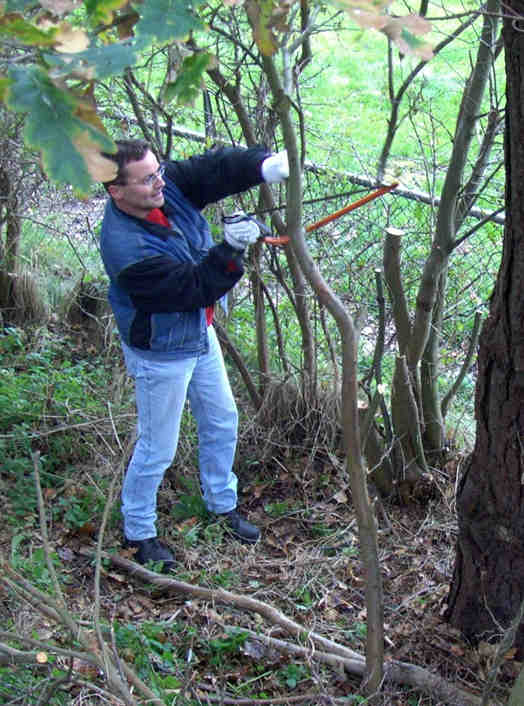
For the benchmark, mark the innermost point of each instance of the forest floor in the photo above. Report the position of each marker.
(306, 565)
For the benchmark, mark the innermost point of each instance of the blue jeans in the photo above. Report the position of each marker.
(162, 387)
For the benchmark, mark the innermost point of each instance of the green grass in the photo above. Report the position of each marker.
(347, 104)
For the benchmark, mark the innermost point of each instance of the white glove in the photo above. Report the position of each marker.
(240, 230)
(275, 168)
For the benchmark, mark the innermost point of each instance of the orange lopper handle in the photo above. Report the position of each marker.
(283, 240)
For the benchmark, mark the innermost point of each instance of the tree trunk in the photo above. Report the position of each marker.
(300, 290)
(349, 394)
(11, 217)
(406, 422)
(434, 431)
(488, 581)
(418, 335)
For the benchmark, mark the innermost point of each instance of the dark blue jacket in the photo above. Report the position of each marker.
(162, 279)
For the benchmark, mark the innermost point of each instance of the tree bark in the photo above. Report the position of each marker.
(488, 582)
(434, 432)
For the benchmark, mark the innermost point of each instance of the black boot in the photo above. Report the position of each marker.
(240, 527)
(151, 549)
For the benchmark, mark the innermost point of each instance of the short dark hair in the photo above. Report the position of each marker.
(128, 151)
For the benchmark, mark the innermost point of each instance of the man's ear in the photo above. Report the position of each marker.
(115, 191)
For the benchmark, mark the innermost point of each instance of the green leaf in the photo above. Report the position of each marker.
(188, 83)
(102, 11)
(14, 25)
(52, 126)
(19, 5)
(165, 20)
(97, 61)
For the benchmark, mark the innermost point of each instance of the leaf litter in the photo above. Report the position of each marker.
(306, 565)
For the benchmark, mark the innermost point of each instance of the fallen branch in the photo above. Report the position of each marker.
(14, 656)
(308, 697)
(95, 422)
(354, 666)
(101, 652)
(55, 685)
(10, 655)
(333, 653)
(97, 651)
(273, 615)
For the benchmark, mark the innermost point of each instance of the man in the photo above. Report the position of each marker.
(165, 275)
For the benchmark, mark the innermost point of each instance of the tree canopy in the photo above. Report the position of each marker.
(57, 51)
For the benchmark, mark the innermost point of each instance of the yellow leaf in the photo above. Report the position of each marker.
(100, 168)
(86, 111)
(404, 32)
(71, 40)
(259, 14)
(4, 85)
(372, 7)
(369, 20)
(416, 24)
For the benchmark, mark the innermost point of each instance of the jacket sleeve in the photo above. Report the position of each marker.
(159, 284)
(218, 173)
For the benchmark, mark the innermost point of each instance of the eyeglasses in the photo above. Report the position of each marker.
(150, 180)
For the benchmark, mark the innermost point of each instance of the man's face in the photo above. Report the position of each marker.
(143, 188)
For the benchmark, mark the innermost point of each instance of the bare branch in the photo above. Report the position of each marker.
(466, 363)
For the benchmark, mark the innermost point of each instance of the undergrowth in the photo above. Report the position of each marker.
(57, 400)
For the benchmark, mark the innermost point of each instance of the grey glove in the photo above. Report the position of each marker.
(240, 230)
